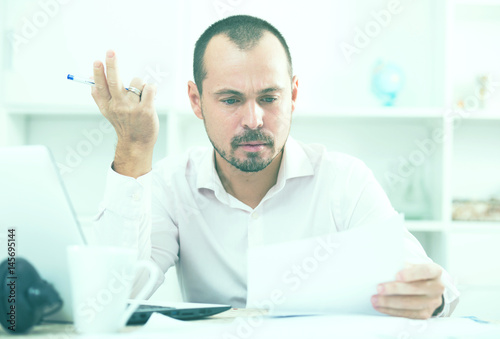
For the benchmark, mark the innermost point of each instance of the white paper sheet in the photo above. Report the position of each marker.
(335, 273)
(327, 326)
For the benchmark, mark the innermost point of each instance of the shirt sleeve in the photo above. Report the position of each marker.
(131, 215)
(415, 254)
(365, 201)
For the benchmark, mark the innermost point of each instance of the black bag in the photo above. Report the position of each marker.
(25, 298)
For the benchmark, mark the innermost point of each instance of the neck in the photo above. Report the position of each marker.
(247, 187)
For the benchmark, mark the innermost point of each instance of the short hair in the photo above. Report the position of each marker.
(244, 30)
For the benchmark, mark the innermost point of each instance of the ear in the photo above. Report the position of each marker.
(194, 98)
(295, 86)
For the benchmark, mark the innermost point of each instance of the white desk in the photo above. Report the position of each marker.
(240, 323)
(59, 331)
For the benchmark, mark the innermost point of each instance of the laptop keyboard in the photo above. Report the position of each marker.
(152, 308)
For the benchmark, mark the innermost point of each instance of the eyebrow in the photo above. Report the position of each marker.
(234, 92)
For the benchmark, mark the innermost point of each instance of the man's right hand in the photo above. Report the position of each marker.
(133, 117)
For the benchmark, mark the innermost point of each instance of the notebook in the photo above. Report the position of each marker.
(34, 202)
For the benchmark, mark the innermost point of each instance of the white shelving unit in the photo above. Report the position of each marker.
(441, 45)
(473, 155)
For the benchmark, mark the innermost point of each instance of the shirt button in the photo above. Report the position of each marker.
(136, 196)
(255, 215)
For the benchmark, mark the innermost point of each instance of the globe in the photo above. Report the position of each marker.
(387, 81)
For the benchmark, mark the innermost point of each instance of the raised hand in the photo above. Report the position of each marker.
(133, 116)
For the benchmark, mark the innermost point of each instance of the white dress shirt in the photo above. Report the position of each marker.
(179, 214)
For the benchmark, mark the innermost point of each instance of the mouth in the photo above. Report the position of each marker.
(253, 146)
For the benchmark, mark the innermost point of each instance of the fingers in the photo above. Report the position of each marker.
(420, 307)
(401, 302)
(416, 293)
(431, 287)
(100, 91)
(137, 83)
(110, 94)
(412, 314)
(148, 95)
(419, 272)
(115, 84)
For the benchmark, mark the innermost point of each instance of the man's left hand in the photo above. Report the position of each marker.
(416, 293)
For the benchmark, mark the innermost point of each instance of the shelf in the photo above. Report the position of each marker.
(52, 110)
(424, 226)
(372, 112)
(489, 115)
(60, 110)
(475, 226)
(477, 2)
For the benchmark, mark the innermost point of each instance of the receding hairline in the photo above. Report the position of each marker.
(246, 48)
(244, 31)
(246, 45)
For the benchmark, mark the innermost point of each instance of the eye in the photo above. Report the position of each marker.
(269, 100)
(229, 101)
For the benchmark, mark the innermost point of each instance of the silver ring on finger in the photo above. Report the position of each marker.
(134, 90)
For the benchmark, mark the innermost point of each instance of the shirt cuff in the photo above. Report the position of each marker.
(450, 296)
(440, 308)
(127, 196)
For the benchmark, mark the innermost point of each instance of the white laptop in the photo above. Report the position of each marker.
(34, 202)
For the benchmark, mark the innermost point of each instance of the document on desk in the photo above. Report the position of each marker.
(334, 273)
(323, 326)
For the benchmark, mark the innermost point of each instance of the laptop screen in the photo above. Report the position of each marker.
(34, 203)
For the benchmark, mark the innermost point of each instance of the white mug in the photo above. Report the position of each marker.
(101, 282)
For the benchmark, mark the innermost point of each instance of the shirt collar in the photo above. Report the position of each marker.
(295, 163)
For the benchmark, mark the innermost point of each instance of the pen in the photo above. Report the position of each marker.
(83, 80)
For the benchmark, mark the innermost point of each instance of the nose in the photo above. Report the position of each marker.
(252, 115)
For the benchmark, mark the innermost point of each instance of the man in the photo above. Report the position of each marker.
(257, 185)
